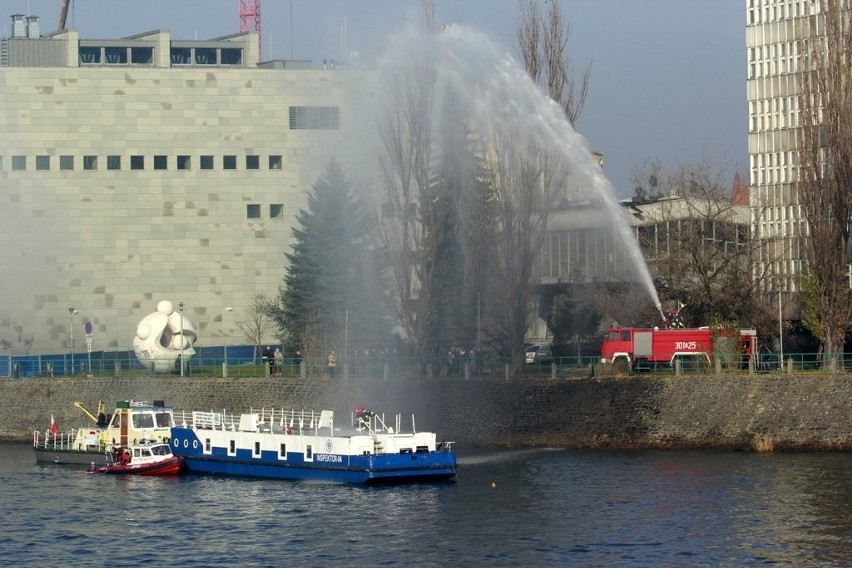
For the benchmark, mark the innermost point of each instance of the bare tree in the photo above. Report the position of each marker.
(453, 182)
(543, 48)
(699, 247)
(258, 323)
(407, 211)
(529, 181)
(825, 168)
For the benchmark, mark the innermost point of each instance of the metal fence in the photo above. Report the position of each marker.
(241, 361)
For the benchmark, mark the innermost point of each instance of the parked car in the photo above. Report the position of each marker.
(540, 353)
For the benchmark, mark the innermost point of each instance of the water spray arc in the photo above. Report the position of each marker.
(504, 104)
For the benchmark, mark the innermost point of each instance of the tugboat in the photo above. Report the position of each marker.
(129, 423)
(145, 458)
(299, 445)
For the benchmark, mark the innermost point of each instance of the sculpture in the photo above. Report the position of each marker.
(159, 337)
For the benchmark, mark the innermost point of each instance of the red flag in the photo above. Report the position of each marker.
(54, 427)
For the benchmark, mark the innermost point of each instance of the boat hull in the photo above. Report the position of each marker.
(428, 466)
(47, 455)
(170, 466)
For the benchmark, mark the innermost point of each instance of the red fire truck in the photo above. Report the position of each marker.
(635, 349)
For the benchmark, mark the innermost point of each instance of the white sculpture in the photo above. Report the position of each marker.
(159, 336)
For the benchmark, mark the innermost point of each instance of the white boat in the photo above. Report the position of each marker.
(306, 445)
(129, 423)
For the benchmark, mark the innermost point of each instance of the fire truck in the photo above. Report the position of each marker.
(637, 349)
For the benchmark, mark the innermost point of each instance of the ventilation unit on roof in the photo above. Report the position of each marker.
(25, 26)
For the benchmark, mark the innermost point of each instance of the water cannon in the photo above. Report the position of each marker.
(660, 309)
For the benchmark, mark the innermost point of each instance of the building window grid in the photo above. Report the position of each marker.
(137, 162)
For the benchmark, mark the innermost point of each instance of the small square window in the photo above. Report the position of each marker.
(229, 162)
(66, 162)
(275, 162)
(276, 211)
(253, 211)
(206, 162)
(137, 162)
(90, 162)
(161, 162)
(113, 162)
(19, 162)
(183, 162)
(42, 162)
(252, 162)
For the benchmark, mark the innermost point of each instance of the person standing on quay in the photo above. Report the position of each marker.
(331, 361)
(278, 356)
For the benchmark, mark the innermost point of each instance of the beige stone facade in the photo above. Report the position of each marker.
(125, 184)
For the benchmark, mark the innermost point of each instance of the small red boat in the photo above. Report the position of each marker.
(144, 458)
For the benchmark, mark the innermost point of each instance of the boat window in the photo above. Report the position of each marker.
(161, 450)
(309, 452)
(164, 419)
(143, 421)
(282, 451)
(146, 452)
(207, 444)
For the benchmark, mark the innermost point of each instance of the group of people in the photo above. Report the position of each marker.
(455, 358)
(275, 359)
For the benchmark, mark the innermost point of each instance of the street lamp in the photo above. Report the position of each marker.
(225, 339)
(180, 307)
(71, 313)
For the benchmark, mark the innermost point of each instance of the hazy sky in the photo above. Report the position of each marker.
(667, 82)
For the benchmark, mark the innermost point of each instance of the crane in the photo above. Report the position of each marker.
(250, 21)
(63, 14)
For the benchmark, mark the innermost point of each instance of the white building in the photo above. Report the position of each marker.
(143, 169)
(772, 31)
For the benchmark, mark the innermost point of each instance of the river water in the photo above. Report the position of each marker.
(508, 508)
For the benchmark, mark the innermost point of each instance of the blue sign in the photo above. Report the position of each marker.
(88, 328)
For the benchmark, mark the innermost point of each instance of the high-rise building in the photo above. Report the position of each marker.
(773, 30)
(145, 168)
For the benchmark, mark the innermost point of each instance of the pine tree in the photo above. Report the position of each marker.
(331, 295)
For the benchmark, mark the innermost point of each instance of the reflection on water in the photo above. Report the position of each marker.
(531, 507)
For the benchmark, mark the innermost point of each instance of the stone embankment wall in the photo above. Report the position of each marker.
(784, 413)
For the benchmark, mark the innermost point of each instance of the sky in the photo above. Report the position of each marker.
(667, 76)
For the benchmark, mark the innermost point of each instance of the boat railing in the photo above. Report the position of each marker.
(66, 440)
(259, 420)
(376, 424)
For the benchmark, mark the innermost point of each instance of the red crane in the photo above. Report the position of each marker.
(250, 20)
